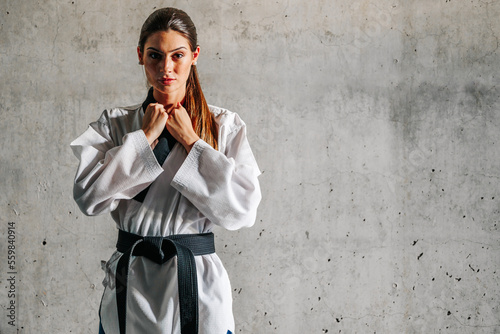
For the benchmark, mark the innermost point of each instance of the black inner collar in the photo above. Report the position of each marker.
(150, 99)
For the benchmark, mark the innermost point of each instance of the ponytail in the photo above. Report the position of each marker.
(203, 120)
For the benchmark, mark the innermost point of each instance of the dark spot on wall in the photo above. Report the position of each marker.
(44, 242)
(421, 254)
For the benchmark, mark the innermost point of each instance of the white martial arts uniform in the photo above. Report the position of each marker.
(189, 194)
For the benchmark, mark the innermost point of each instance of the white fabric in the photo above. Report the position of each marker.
(190, 193)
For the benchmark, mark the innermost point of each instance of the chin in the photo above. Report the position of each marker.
(163, 89)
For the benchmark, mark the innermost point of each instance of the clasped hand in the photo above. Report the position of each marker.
(177, 121)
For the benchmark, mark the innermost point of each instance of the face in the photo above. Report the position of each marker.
(167, 61)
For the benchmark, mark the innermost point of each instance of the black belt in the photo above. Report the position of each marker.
(160, 250)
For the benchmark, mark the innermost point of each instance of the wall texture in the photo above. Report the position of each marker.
(376, 124)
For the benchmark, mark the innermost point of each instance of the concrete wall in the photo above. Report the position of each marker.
(376, 124)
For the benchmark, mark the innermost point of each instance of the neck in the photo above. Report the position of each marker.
(169, 99)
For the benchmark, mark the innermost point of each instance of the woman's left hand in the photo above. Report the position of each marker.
(180, 126)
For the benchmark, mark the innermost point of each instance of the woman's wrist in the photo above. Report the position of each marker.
(149, 136)
(188, 143)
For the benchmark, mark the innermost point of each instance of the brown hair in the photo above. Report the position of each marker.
(165, 19)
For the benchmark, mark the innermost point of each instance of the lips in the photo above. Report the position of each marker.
(166, 81)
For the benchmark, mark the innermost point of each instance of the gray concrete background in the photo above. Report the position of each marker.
(375, 123)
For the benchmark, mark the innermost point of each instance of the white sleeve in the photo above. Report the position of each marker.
(223, 186)
(108, 173)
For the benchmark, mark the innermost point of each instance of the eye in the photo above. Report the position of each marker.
(154, 55)
(178, 55)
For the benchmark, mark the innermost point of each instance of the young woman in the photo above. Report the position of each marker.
(167, 170)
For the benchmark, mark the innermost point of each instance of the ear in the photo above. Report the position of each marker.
(196, 53)
(139, 55)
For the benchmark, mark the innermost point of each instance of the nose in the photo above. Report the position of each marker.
(166, 65)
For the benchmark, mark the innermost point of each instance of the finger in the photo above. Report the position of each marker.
(151, 106)
(174, 107)
(159, 107)
(172, 110)
(160, 111)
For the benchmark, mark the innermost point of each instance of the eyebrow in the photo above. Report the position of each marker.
(156, 50)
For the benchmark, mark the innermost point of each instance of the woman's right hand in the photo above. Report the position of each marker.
(154, 121)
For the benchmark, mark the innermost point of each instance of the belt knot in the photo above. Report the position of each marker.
(153, 247)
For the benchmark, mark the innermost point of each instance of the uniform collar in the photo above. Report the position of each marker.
(150, 99)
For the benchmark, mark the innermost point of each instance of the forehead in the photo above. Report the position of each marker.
(166, 40)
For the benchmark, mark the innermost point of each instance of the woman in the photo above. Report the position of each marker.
(167, 171)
